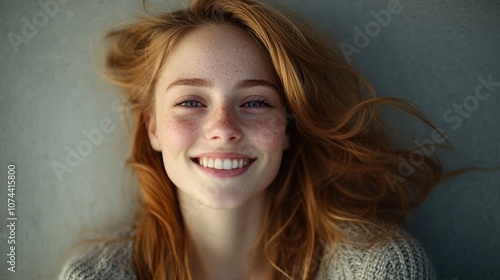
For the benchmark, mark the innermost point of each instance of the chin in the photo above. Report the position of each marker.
(226, 199)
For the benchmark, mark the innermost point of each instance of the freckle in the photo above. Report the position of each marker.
(268, 133)
(180, 125)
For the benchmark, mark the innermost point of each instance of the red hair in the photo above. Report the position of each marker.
(341, 167)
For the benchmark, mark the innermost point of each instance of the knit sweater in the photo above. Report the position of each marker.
(396, 257)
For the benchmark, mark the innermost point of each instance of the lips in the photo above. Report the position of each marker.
(223, 163)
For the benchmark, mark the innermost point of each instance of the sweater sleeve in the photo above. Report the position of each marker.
(398, 257)
(100, 261)
(401, 258)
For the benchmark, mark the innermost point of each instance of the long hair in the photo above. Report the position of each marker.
(341, 168)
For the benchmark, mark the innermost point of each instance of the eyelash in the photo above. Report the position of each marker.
(182, 103)
(262, 102)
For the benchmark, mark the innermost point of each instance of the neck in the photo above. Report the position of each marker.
(221, 239)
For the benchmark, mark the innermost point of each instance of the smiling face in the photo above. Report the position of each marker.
(219, 119)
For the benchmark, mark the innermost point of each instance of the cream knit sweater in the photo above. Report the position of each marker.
(395, 258)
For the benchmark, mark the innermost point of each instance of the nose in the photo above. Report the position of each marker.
(224, 125)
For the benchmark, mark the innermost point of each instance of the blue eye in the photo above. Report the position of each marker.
(256, 103)
(190, 103)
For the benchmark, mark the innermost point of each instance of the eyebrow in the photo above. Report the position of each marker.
(190, 82)
(255, 83)
(196, 82)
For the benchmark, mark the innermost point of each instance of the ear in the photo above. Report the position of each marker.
(150, 122)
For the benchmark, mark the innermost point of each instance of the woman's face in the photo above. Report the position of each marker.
(219, 119)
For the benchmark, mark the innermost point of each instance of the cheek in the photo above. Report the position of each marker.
(268, 133)
(178, 134)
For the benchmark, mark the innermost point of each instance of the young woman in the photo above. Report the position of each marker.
(260, 154)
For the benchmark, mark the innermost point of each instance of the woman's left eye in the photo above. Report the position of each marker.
(256, 103)
(190, 103)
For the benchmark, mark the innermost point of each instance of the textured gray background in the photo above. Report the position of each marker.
(431, 53)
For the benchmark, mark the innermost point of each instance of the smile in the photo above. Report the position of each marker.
(223, 163)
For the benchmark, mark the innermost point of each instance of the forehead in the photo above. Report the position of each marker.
(217, 52)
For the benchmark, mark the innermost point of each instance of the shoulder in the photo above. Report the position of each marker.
(103, 260)
(396, 257)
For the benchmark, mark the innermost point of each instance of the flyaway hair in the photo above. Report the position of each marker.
(341, 167)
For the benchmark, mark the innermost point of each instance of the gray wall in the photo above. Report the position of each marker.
(433, 53)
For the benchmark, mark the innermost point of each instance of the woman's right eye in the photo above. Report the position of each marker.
(190, 103)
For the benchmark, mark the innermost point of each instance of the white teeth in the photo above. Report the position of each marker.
(218, 163)
(225, 164)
